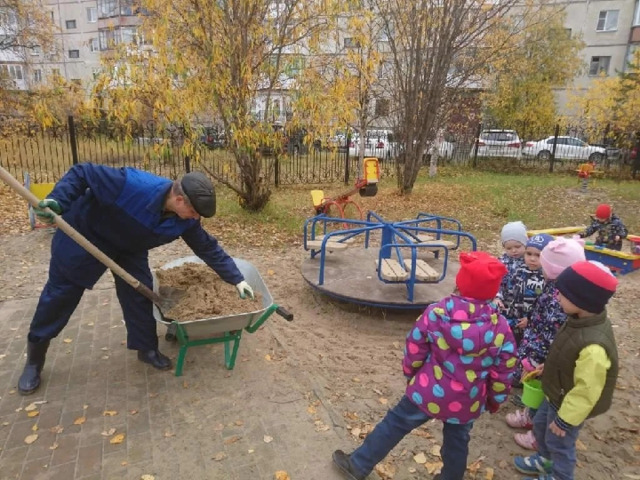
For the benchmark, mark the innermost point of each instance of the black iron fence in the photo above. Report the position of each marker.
(47, 153)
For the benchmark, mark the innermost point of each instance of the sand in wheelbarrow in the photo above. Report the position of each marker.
(206, 294)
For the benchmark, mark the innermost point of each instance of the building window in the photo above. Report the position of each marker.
(94, 45)
(55, 72)
(607, 21)
(12, 71)
(351, 43)
(636, 16)
(37, 50)
(107, 8)
(599, 65)
(37, 76)
(71, 24)
(92, 14)
(74, 53)
(568, 32)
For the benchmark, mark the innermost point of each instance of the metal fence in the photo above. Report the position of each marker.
(47, 153)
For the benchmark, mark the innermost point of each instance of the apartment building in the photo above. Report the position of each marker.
(87, 29)
(610, 30)
(84, 31)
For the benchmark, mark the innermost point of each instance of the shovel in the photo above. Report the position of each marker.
(164, 303)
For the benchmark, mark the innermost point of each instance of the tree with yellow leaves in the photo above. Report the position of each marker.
(217, 56)
(613, 101)
(538, 57)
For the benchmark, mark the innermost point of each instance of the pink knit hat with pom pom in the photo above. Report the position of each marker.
(560, 254)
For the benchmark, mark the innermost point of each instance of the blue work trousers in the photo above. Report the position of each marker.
(61, 296)
(400, 421)
(561, 450)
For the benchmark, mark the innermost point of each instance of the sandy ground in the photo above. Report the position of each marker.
(353, 355)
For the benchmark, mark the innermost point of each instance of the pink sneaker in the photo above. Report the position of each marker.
(526, 440)
(519, 419)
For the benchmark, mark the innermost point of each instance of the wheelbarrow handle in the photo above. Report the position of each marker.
(284, 313)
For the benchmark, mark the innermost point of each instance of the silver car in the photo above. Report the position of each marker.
(568, 148)
(498, 143)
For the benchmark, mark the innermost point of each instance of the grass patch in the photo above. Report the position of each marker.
(482, 201)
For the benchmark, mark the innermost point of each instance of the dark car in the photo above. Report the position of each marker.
(213, 139)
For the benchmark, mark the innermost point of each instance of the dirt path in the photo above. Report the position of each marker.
(352, 357)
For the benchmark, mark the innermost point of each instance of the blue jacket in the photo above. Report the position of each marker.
(121, 212)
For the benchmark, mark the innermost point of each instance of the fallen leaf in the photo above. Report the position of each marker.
(636, 448)
(146, 476)
(239, 423)
(356, 432)
(31, 438)
(435, 450)
(267, 357)
(219, 456)
(124, 463)
(234, 439)
(267, 439)
(632, 476)
(54, 446)
(386, 470)
(321, 427)
(109, 413)
(219, 427)
(57, 429)
(34, 428)
(270, 272)
(282, 475)
(169, 434)
(33, 405)
(118, 439)
(433, 467)
(185, 384)
(412, 470)
(35, 413)
(420, 458)
(377, 391)
(580, 445)
(311, 410)
(250, 450)
(67, 340)
(133, 412)
(79, 420)
(108, 433)
(473, 468)
(488, 473)
(355, 379)
(383, 401)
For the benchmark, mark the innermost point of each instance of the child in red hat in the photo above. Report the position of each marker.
(458, 361)
(608, 227)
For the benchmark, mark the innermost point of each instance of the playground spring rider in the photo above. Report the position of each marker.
(366, 187)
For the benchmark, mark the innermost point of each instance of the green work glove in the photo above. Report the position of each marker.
(43, 215)
(244, 289)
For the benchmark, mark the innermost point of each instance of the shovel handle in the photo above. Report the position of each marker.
(81, 239)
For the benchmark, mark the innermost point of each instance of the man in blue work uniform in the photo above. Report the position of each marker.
(124, 212)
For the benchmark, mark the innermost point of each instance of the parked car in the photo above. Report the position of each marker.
(213, 139)
(498, 143)
(378, 143)
(567, 148)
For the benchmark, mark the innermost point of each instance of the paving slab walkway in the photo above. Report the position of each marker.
(211, 423)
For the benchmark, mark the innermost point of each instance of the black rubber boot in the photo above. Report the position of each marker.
(155, 359)
(30, 378)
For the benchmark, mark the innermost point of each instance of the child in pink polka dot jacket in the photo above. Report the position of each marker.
(459, 359)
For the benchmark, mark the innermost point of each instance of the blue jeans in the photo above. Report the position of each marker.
(401, 420)
(561, 450)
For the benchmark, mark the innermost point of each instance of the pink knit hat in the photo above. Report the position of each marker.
(560, 254)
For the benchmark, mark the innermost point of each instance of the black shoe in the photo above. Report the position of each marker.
(155, 358)
(30, 378)
(343, 462)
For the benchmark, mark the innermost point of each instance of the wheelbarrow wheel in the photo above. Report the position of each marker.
(170, 336)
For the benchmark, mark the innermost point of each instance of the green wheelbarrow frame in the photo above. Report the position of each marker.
(224, 329)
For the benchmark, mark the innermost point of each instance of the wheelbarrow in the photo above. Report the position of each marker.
(223, 329)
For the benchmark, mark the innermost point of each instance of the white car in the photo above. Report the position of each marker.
(568, 148)
(444, 149)
(498, 143)
(377, 146)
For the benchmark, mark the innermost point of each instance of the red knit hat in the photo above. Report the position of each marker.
(480, 275)
(588, 285)
(603, 211)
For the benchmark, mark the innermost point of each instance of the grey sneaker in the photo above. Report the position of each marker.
(343, 462)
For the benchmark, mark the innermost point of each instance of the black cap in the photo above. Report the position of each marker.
(199, 190)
